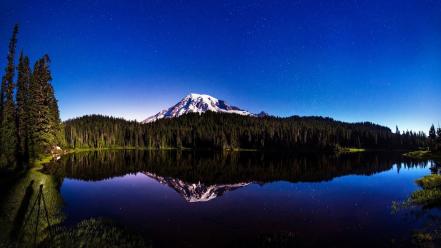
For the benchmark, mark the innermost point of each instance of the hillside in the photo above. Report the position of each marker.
(226, 131)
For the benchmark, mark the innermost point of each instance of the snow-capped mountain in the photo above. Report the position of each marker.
(196, 192)
(197, 103)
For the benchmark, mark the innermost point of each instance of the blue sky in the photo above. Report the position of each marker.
(368, 60)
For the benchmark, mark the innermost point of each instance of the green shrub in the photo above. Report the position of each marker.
(430, 182)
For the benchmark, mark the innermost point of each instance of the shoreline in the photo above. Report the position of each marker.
(423, 154)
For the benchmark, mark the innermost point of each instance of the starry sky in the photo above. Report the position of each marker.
(353, 60)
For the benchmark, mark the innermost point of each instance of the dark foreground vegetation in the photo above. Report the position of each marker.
(94, 233)
(229, 131)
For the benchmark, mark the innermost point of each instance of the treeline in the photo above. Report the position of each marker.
(435, 139)
(29, 118)
(229, 131)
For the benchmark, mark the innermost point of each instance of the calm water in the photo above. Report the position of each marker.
(195, 199)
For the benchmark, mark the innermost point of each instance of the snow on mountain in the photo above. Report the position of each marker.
(197, 103)
(196, 192)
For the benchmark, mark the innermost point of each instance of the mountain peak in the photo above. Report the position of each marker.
(197, 103)
(197, 95)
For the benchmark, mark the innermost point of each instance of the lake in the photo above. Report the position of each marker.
(242, 199)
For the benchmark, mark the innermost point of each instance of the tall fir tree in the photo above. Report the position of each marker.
(44, 122)
(38, 112)
(438, 132)
(22, 100)
(57, 130)
(8, 131)
(438, 138)
(432, 132)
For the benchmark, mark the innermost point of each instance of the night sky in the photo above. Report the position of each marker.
(372, 60)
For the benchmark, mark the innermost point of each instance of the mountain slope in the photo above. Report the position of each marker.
(197, 103)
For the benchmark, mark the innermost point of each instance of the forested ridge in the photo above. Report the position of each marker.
(229, 131)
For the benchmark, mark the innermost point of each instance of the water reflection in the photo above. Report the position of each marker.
(196, 192)
(203, 199)
(226, 167)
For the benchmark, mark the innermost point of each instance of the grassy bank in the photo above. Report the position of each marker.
(76, 150)
(424, 154)
(350, 150)
(237, 149)
(430, 193)
(18, 222)
(427, 198)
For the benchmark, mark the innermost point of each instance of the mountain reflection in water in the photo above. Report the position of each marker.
(196, 192)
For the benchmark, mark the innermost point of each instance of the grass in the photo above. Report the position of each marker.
(354, 149)
(423, 154)
(17, 201)
(40, 162)
(350, 150)
(235, 149)
(94, 233)
(428, 197)
(430, 182)
(241, 150)
(423, 239)
(68, 151)
(430, 194)
(76, 150)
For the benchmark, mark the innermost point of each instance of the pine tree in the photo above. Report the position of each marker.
(432, 133)
(438, 140)
(39, 128)
(57, 130)
(22, 99)
(45, 126)
(8, 131)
